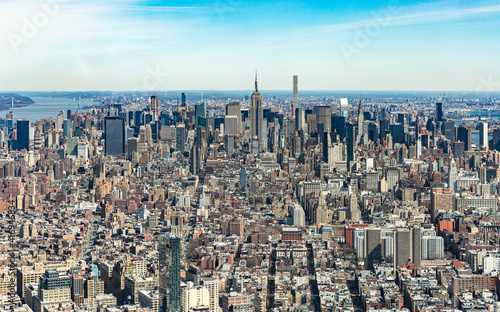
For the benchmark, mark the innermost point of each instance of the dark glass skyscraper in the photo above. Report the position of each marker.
(23, 134)
(439, 111)
(114, 136)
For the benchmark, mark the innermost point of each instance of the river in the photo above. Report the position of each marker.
(44, 107)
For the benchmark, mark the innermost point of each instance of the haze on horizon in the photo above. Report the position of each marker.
(70, 45)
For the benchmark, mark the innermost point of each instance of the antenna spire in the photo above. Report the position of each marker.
(256, 84)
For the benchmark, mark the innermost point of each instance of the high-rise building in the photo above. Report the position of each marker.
(200, 114)
(114, 136)
(483, 134)
(300, 119)
(338, 126)
(194, 297)
(344, 108)
(243, 177)
(170, 273)
(402, 247)
(23, 135)
(234, 109)
(256, 115)
(448, 130)
(372, 247)
(155, 110)
(416, 252)
(350, 137)
(212, 284)
(439, 111)
(295, 102)
(323, 118)
(361, 120)
(67, 127)
(464, 135)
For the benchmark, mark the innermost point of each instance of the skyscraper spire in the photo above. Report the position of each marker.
(256, 85)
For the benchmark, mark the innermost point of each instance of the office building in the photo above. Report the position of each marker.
(256, 116)
(344, 108)
(114, 136)
(372, 247)
(170, 273)
(23, 133)
(295, 102)
(194, 297)
(439, 112)
(234, 109)
(483, 134)
(402, 247)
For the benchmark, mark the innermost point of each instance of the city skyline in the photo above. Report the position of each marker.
(217, 45)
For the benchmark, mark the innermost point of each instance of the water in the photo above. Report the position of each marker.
(45, 107)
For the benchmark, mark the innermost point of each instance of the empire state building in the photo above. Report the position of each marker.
(256, 115)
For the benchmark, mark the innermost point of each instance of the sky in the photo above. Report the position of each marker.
(129, 45)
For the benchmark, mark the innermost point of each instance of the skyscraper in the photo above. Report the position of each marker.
(170, 280)
(373, 247)
(295, 102)
(67, 127)
(344, 108)
(402, 247)
(464, 135)
(483, 134)
(154, 107)
(234, 109)
(114, 136)
(23, 134)
(361, 121)
(256, 114)
(350, 137)
(439, 112)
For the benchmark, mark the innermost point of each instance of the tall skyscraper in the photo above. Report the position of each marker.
(23, 135)
(170, 277)
(300, 119)
(464, 135)
(361, 121)
(154, 107)
(483, 134)
(344, 108)
(234, 109)
(256, 115)
(373, 247)
(416, 253)
(350, 137)
(295, 102)
(200, 113)
(439, 112)
(402, 247)
(67, 127)
(114, 136)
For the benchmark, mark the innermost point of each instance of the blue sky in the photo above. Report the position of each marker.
(217, 45)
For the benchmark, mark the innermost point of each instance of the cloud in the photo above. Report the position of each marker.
(392, 16)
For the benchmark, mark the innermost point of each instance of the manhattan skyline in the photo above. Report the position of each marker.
(217, 45)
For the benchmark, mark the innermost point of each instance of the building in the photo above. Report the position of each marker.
(295, 102)
(212, 284)
(439, 112)
(372, 247)
(114, 136)
(170, 273)
(135, 283)
(256, 116)
(149, 299)
(194, 297)
(23, 135)
(483, 134)
(233, 109)
(402, 247)
(234, 302)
